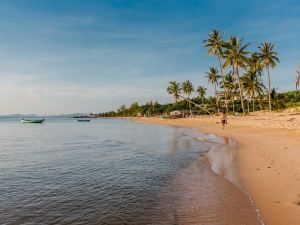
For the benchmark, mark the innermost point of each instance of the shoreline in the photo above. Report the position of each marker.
(222, 157)
(268, 160)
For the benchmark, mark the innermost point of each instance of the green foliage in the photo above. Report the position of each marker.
(187, 88)
(279, 101)
(285, 100)
(267, 55)
(215, 43)
(174, 89)
(213, 75)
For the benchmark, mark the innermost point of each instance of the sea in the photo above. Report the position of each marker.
(118, 172)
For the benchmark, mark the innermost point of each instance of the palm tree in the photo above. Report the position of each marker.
(213, 78)
(215, 45)
(174, 89)
(252, 84)
(236, 56)
(256, 67)
(231, 88)
(201, 92)
(268, 58)
(297, 81)
(254, 64)
(188, 88)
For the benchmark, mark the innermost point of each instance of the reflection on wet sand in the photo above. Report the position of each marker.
(199, 196)
(203, 192)
(222, 156)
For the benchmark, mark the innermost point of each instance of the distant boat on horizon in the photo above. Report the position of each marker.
(83, 120)
(32, 120)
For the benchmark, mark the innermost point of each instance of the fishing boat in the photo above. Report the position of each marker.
(83, 120)
(32, 120)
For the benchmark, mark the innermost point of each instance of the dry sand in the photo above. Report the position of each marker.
(268, 161)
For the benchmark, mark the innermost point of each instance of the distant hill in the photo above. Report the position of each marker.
(43, 116)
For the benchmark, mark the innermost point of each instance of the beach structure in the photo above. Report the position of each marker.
(180, 114)
(177, 114)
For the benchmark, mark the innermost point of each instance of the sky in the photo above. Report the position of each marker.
(72, 56)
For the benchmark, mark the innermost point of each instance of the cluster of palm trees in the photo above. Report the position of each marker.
(187, 88)
(239, 72)
(233, 56)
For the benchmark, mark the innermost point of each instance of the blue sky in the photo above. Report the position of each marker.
(92, 56)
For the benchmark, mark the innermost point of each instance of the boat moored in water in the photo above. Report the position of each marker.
(32, 120)
(83, 120)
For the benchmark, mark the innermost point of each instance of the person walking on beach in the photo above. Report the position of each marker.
(223, 119)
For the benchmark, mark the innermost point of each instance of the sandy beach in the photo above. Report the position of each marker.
(268, 162)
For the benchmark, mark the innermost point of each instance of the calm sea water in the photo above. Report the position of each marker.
(106, 172)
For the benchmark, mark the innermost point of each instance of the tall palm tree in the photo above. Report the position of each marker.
(236, 55)
(268, 58)
(201, 92)
(213, 78)
(188, 89)
(174, 89)
(231, 88)
(215, 45)
(255, 66)
(252, 84)
(297, 80)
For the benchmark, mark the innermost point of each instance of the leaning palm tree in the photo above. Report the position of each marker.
(268, 58)
(201, 92)
(236, 56)
(297, 80)
(188, 89)
(215, 45)
(174, 89)
(213, 77)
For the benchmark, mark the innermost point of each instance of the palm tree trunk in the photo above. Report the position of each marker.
(188, 97)
(260, 106)
(248, 101)
(233, 106)
(269, 91)
(202, 98)
(201, 107)
(217, 102)
(253, 103)
(240, 88)
(233, 73)
(176, 97)
(225, 89)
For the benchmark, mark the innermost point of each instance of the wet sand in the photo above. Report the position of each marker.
(199, 195)
(267, 162)
(203, 197)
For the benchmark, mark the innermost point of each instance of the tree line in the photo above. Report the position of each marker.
(153, 108)
(237, 81)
